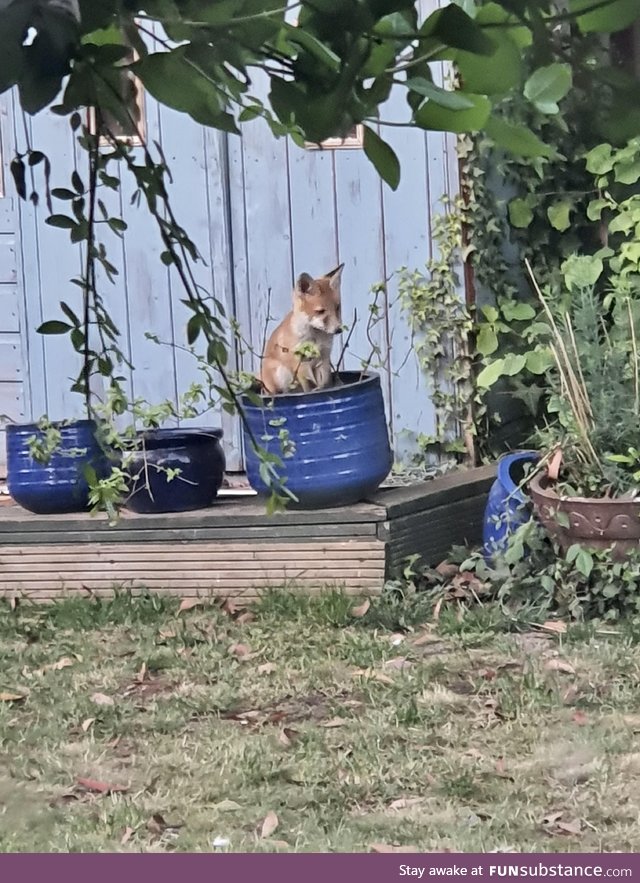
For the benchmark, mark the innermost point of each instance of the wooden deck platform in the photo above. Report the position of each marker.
(234, 549)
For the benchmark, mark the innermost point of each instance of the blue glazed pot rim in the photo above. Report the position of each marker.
(504, 471)
(350, 379)
(180, 434)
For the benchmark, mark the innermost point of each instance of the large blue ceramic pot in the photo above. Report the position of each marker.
(507, 506)
(197, 453)
(341, 450)
(59, 485)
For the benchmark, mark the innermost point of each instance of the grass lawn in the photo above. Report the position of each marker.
(300, 726)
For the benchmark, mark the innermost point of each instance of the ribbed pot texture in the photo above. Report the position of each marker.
(342, 451)
(60, 485)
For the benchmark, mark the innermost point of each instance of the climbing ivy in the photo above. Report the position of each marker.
(442, 327)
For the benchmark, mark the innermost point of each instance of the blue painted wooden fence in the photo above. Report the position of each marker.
(261, 211)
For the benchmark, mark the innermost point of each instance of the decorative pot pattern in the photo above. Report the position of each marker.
(59, 486)
(507, 506)
(595, 524)
(342, 451)
(197, 453)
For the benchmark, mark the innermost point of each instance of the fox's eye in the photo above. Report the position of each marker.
(320, 312)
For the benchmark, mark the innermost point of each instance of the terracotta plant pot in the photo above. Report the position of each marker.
(596, 524)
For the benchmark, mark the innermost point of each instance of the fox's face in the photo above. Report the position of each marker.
(317, 301)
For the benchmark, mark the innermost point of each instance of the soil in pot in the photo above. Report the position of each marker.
(341, 452)
(196, 453)
(59, 485)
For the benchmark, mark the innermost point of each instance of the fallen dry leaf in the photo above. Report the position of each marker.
(89, 722)
(447, 570)
(245, 617)
(437, 608)
(398, 662)
(269, 825)
(334, 722)
(405, 802)
(167, 634)
(100, 787)
(12, 697)
(126, 837)
(189, 604)
(267, 668)
(228, 606)
(65, 662)
(551, 818)
(385, 847)
(553, 625)
(559, 665)
(240, 651)
(579, 718)
(280, 844)
(573, 827)
(425, 638)
(287, 737)
(360, 611)
(488, 674)
(102, 699)
(396, 639)
(372, 674)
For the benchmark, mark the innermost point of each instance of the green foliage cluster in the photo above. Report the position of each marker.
(594, 394)
(580, 584)
(548, 209)
(441, 327)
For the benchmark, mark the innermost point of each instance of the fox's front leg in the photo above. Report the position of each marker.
(303, 376)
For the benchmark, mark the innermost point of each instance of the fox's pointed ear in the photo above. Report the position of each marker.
(304, 283)
(335, 277)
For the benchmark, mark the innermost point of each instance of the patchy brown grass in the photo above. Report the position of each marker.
(303, 727)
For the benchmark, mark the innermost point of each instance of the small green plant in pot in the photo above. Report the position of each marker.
(587, 494)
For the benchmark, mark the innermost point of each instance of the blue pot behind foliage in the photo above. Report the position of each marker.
(59, 485)
(197, 453)
(342, 451)
(507, 507)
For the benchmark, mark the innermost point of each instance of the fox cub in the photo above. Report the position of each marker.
(298, 353)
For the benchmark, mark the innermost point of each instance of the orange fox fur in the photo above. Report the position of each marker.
(314, 321)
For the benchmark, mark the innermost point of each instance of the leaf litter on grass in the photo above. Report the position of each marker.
(454, 751)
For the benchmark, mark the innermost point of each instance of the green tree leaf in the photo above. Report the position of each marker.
(486, 340)
(382, 156)
(627, 172)
(441, 119)
(520, 213)
(596, 207)
(517, 312)
(559, 214)
(55, 326)
(517, 139)
(548, 85)
(455, 28)
(539, 361)
(62, 221)
(605, 19)
(600, 160)
(502, 71)
(490, 374)
(441, 97)
(581, 271)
